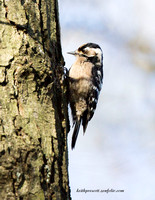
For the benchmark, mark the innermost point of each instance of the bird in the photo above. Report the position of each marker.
(85, 83)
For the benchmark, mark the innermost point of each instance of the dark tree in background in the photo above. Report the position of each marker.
(33, 102)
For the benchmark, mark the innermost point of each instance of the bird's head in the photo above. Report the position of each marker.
(89, 51)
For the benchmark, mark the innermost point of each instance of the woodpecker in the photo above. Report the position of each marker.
(85, 82)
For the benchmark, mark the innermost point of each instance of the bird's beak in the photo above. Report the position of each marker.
(72, 53)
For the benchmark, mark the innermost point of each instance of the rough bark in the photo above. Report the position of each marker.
(33, 102)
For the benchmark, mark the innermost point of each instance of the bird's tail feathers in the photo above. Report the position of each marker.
(85, 122)
(85, 127)
(75, 133)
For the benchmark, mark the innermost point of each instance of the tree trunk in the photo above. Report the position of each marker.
(33, 103)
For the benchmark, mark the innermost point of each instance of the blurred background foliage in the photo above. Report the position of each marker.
(118, 149)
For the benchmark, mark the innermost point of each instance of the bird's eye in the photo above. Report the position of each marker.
(85, 51)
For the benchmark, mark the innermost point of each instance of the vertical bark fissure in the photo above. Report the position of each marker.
(41, 24)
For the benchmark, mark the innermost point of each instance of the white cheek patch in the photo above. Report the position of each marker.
(99, 53)
(94, 51)
(87, 49)
(91, 51)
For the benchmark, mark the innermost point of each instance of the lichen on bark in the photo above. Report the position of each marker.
(33, 102)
